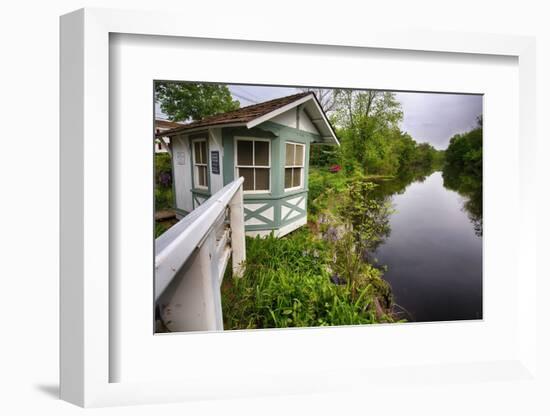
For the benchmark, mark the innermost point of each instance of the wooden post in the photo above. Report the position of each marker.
(210, 284)
(236, 220)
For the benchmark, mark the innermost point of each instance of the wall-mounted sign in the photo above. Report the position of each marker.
(215, 161)
(180, 158)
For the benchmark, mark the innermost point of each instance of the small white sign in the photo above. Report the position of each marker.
(180, 158)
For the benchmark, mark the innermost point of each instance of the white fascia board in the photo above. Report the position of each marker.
(274, 113)
(281, 110)
(327, 124)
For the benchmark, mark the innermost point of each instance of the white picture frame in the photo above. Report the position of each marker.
(87, 294)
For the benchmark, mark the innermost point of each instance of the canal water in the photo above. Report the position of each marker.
(433, 253)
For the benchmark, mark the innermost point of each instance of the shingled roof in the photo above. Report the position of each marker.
(258, 113)
(240, 116)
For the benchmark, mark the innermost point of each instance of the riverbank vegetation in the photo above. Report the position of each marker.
(463, 172)
(318, 275)
(290, 282)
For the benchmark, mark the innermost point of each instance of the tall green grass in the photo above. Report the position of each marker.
(287, 283)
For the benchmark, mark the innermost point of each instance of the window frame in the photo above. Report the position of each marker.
(268, 167)
(196, 185)
(302, 167)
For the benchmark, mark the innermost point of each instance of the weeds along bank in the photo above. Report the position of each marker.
(319, 275)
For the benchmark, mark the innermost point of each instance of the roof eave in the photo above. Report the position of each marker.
(179, 131)
(265, 117)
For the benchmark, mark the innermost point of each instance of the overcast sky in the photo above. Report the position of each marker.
(432, 118)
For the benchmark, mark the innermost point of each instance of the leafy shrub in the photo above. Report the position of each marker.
(321, 181)
(163, 169)
(163, 182)
(164, 198)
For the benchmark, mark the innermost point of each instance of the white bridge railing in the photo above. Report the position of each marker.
(191, 257)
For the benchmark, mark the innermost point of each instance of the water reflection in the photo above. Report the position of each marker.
(471, 188)
(433, 256)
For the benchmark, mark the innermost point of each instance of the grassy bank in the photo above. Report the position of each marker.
(318, 275)
(290, 282)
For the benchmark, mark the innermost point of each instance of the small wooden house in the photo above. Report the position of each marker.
(268, 144)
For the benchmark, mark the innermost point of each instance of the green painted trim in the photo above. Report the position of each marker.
(174, 199)
(181, 211)
(195, 193)
(228, 156)
(199, 191)
(277, 198)
(257, 214)
(285, 131)
(293, 209)
(191, 168)
(228, 143)
(277, 204)
(259, 197)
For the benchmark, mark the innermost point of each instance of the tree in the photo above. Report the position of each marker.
(325, 96)
(463, 171)
(369, 125)
(187, 101)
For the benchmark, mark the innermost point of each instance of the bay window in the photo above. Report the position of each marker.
(253, 163)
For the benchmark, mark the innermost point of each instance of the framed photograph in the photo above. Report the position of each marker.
(274, 214)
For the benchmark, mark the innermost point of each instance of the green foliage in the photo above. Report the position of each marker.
(321, 181)
(463, 171)
(465, 153)
(287, 284)
(160, 228)
(367, 216)
(371, 140)
(324, 155)
(164, 196)
(183, 101)
(163, 164)
(367, 120)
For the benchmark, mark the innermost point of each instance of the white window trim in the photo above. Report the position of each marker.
(237, 166)
(195, 165)
(303, 167)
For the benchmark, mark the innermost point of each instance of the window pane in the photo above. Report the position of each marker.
(261, 153)
(288, 178)
(289, 154)
(248, 175)
(197, 147)
(203, 152)
(296, 177)
(244, 153)
(299, 158)
(262, 179)
(202, 177)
